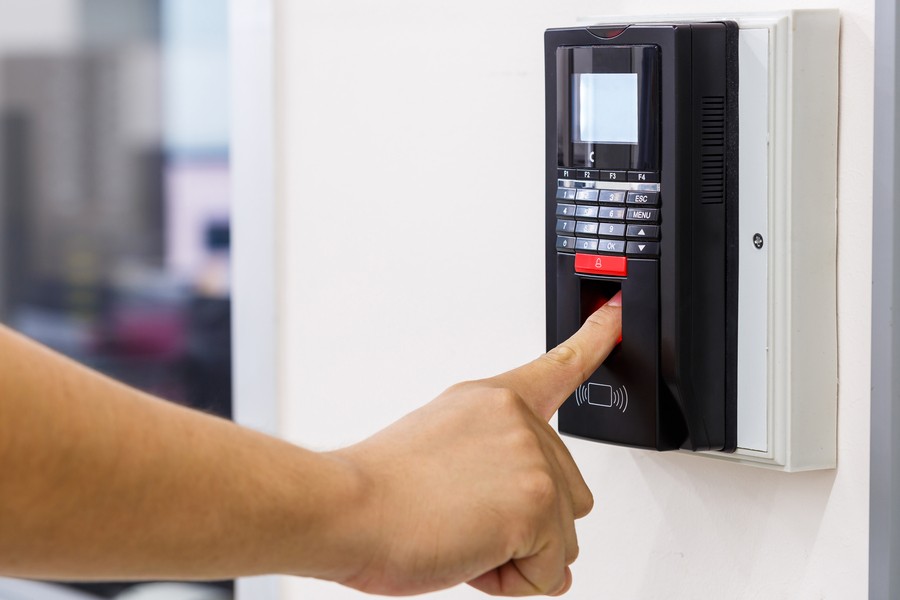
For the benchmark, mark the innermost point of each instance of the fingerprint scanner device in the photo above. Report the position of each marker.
(642, 197)
(691, 163)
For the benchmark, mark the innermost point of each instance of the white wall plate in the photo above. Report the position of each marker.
(787, 339)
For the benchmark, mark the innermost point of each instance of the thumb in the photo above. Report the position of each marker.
(547, 381)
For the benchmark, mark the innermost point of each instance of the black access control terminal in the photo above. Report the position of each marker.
(641, 196)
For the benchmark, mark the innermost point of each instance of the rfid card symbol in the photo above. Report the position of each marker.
(602, 395)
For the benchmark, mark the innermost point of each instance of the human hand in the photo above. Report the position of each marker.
(475, 486)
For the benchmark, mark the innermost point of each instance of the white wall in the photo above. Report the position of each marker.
(413, 259)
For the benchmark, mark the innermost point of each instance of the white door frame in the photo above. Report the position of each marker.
(254, 232)
(884, 470)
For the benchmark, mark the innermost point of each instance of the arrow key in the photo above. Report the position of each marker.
(642, 248)
(643, 231)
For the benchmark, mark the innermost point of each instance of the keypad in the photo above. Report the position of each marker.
(624, 220)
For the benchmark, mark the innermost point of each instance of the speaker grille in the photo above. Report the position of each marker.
(712, 149)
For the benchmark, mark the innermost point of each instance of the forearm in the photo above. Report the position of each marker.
(99, 481)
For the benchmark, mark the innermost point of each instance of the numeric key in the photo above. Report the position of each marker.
(565, 226)
(586, 212)
(587, 227)
(588, 244)
(613, 229)
(586, 195)
(565, 193)
(565, 210)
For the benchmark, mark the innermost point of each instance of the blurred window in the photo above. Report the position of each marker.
(114, 194)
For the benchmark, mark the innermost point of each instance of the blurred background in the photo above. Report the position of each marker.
(114, 198)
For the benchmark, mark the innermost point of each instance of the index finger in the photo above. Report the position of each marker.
(547, 381)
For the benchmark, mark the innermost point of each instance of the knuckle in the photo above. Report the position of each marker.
(506, 396)
(563, 355)
(554, 585)
(461, 387)
(563, 589)
(506, 400)
(560, 584)
(583, 503)
(525, 443)
(572, 553)
(566, 359)
(539, 490)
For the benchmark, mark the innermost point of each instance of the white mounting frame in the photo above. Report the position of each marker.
(801, 282)
(788, 300)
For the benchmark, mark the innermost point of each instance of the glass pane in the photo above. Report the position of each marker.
(114, 193)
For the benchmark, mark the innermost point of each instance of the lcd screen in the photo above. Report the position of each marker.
(605, 108)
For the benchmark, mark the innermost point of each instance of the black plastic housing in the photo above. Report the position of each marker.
(677, 362)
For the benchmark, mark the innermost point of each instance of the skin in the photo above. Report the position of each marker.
(99, 481)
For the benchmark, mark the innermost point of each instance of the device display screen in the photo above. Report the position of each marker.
(605, 108)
